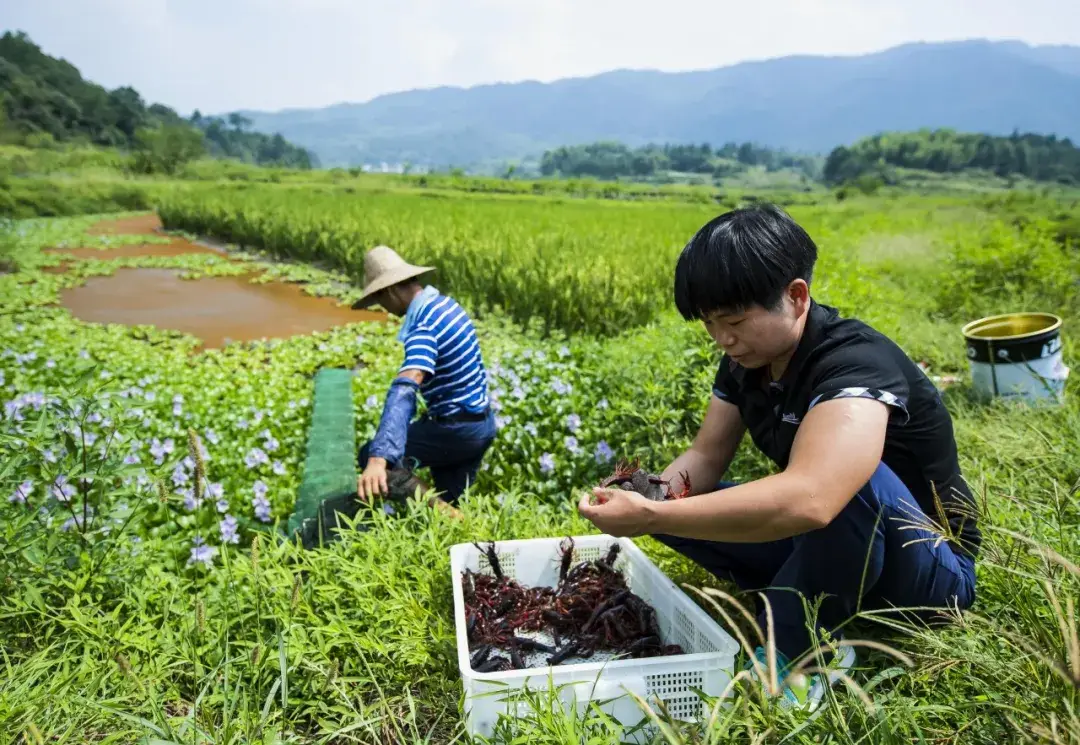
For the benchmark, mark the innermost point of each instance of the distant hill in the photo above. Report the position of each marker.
(801, 103)
(44, 99)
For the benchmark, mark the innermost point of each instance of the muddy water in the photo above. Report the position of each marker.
(214, 309)
(178, 248)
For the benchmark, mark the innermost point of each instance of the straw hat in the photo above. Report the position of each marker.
(383, 268)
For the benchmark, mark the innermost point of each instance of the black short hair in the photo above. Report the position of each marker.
(742, 258)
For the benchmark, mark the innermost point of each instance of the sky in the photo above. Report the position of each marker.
(224, 55)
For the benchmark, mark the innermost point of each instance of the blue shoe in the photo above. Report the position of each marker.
(799, 691)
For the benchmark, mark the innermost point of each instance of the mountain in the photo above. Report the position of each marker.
(801, 103)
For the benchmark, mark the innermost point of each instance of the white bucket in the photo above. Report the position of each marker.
(1017, 356)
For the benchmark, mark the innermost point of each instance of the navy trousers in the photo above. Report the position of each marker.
(453, 450)
(859, 561)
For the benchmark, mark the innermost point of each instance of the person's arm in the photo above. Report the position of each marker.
(836, 450)
(707, 459)
(388, 446)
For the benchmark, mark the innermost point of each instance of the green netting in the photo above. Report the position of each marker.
(330, 463)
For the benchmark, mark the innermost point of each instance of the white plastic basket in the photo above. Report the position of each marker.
(707, 664)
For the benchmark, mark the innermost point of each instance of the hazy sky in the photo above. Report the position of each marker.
(220, 55)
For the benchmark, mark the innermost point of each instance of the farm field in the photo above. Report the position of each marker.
(144, 471)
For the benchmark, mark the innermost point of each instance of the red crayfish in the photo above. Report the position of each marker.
(631, 476)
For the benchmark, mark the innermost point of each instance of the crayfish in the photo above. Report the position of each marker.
(631, 476)
(591, 608)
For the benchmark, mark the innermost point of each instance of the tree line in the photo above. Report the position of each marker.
(612, 160)
(44, 99)
(1038, 157)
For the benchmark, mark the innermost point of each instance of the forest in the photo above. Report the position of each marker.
(611, 160)
(45, 100)
(1038, 157)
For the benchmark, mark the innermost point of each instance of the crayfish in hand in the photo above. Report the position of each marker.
(629, 475)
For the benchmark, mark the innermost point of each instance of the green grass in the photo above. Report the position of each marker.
(108, 639)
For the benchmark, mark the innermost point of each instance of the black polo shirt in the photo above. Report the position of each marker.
(842, 358)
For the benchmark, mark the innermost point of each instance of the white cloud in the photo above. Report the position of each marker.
(219, 55)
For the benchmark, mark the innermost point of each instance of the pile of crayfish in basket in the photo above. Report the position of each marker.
(590, 609)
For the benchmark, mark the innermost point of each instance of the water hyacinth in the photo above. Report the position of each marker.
(547, 463)
(62, 491)
(201, 552)
(22, 492)
(222, 506)
(160, 449)
(215, 490)
(278, 468)
(603, 453)
(571, 444)
(372, 402)
(262, 508)
(560, 387)
(190, 503)
(260, 488)
(531, 429)
(180, 476)
(255, 458)
(228, 528)
(212, 437)
(573, 422)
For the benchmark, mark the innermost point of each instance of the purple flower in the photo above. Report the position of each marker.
(190, 503)
(177, 409)
(180, 476)
(22, 491)
(278, 468)
(242, 424)
(372, 401)
(573, 422)
(502, 421)
(560, 387)
(62, 490)
(150, 396)
(49, 455)
(255, 458)
(160, 449)
(262, 508)
(178, 399)
(201, 553)
(271, 444)
(212, 436)
(131, 460)
(258, 416)
(603, 404)
(564, 351)
(531, 429)
(572, 444)
(228, 530)
(222, 506)
(77, 520)
(13, 410)
(303, 402)
(518, 392)
(547, 463)
(260, 488)
(50, 364)
(604, 453)
(84, 354)
(215, 490)
(94, 418)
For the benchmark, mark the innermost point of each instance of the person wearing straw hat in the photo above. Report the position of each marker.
(443, 364)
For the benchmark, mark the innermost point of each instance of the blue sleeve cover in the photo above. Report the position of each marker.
(389, 442)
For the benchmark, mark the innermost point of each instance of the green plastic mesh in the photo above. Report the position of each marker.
(330, 463)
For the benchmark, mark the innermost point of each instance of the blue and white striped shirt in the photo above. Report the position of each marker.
(442, 342)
